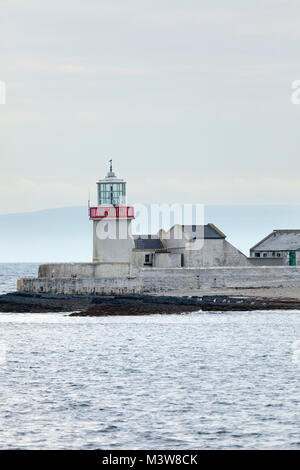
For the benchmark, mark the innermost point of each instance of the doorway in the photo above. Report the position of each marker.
(292, 258)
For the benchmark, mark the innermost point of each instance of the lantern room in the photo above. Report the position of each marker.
(111, 195)
(111, 190)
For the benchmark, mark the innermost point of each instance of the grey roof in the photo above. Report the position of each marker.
(153, 242)
(279, 240)
(203, 231)
(147, 242)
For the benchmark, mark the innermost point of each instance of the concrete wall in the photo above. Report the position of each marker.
(267, 261)
(112, 241)
(164, 280)
(138, 257)
(121, 286)
(284, 256)
(160, 260)
(156, 280)
(167, 260)
(85, 270)
(174, 238)
(215, 252)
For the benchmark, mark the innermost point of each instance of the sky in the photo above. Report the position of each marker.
(191, 99)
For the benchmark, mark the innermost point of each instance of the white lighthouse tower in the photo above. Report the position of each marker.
(113, 242)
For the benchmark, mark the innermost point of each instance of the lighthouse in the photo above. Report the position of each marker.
(112, 236)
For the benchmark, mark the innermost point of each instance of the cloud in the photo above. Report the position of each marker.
(154, 84)
(66, 66)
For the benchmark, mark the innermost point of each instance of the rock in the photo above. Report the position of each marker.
(87, 305)
(138, 309)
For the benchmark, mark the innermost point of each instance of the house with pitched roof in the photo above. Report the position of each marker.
(280, 245)
(188, 246)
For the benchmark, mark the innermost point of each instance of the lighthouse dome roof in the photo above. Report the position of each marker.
(110, 177)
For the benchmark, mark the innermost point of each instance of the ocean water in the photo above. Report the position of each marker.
(200, 380)
(11, 272)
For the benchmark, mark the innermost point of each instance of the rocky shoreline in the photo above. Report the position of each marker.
(80, 305)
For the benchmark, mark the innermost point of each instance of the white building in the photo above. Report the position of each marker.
(112, 238)
(280, 246)
(188, 246)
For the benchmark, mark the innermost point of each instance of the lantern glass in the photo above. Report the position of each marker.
(112, 193)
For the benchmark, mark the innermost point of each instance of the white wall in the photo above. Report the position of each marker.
(112, 250)
(185, 279)
(121, 286)
(167, 260)
(84, 270)
(165, 280)
(215, 252)
(138, 257)
(160, 260)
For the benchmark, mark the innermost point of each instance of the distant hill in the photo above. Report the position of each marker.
(66, 234)
(48, 235)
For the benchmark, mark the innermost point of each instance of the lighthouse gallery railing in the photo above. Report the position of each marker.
(101, 212)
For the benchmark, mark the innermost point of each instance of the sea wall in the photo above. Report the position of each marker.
(104, 286)
(168, 279)
(164, 280)
(84, 270)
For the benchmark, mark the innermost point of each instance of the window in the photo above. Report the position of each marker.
(265, 255)
(193, 228)
(278, 255)
(112, 193)
(257, 255)
(273, 253)
(148, 259)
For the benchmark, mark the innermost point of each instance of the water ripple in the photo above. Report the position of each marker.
(191, 381)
